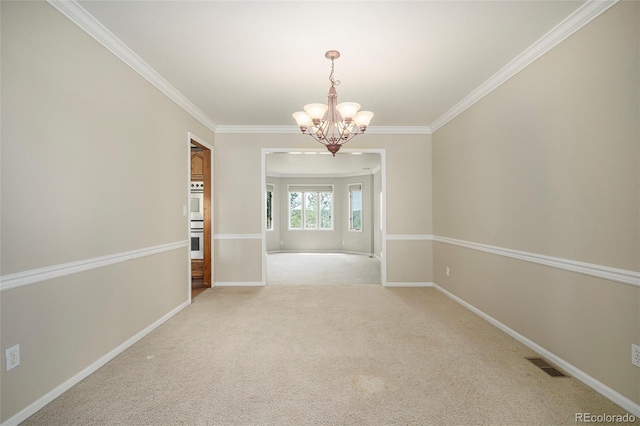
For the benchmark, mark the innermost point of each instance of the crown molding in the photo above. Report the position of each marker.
(399, 130)
(582, 16)
(227, 128)
(578, 19)
(79, 16)
(387, 130)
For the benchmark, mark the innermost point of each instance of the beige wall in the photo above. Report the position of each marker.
(237, 171)
(548, 163)
(94, 163)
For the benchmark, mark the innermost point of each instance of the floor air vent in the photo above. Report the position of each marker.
(546, 367)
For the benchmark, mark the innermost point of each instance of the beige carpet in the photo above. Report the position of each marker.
(330, 355)
(322, 269)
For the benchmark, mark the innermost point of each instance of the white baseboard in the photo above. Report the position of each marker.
(596, 385)
(416, 284)
(239, 284)
(47, 398)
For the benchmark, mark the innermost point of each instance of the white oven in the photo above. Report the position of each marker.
(197, 240)
(197, 200)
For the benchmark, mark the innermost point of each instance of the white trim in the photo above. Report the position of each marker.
(318, 175)
(240, 284)
(303, 205)
(237, 236)
(408, 284)
(578, 19)
(23, 278)
(79, 16)
(50, 396)
(350, 212)
(263, 216)
(399, 130)
(288, 129)
(410, 237)
(228, 129)
(599, 271)
(383, 218)
(598, 386)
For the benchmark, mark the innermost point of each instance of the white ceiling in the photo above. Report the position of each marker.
(255, 63)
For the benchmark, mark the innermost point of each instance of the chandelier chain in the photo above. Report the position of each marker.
(331, 79)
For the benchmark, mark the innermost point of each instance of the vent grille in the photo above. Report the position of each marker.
(546, 367)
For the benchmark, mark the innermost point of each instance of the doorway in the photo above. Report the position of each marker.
(200, 211)
(302, 189)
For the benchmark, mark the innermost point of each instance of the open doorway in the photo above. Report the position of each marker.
(323, 221)
(201, 224)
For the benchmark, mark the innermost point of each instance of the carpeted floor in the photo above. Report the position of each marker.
(329, 355)
(322, 269)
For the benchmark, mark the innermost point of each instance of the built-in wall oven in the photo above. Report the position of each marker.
(197, 220)
(197, 240)
(197, 200)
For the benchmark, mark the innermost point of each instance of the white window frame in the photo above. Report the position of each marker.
(350, 210)
(304, 209)
(270, 188)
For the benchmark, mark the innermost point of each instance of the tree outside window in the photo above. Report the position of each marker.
(326, 207)
(269, 207)
(295, 210)
(310, 210)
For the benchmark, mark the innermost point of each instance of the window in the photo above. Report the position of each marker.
(355, 207)
(311, 207)
(269, 206)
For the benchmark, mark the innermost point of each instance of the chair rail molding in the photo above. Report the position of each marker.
(32, 276)
(600, 271)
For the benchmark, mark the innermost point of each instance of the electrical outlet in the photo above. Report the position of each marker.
(448, 271)
(13, 357)
(635, 355)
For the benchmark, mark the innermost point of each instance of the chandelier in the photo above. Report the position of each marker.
(334, 124)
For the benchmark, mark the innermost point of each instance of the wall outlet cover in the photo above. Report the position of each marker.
(13, 357)
(635, 355)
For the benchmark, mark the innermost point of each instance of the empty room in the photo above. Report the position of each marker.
(275, 212)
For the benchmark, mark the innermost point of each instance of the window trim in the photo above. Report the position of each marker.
(270, 187)
(350, 211)
(321, 189)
